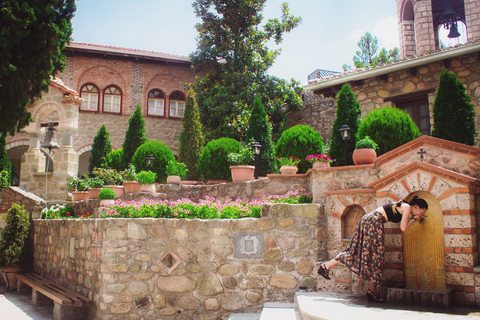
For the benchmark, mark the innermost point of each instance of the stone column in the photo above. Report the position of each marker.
(33, 161)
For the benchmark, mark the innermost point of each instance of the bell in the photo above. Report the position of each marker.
(453, 31)
(448, 15)
(50, 142)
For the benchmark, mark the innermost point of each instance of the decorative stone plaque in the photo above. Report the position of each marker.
(248, 245)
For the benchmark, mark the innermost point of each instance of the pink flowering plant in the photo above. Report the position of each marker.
(319, 158)
(288, 161)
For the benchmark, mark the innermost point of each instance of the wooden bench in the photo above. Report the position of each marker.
(67, 304)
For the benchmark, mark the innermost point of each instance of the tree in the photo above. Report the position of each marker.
(232, 51)
(5, 163)
(348, 112)
(191, 138)
(33, 34)
(100, 149)
(134, 137)
(453, 114)
(260, 131)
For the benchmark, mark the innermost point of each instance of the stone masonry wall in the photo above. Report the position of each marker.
(182, 269)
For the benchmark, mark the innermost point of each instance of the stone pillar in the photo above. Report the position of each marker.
(33, 161)
(68, 313)
(472, 11)
(38, 299)
(65, 166)
(424, 31)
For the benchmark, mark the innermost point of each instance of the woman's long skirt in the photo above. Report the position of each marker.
(366, 252)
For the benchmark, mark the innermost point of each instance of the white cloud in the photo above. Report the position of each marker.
(386, 32)
(357, 34)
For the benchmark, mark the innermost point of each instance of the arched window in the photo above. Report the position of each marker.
(177, 104)
(89, 93)
(112, 100)
(156, 103)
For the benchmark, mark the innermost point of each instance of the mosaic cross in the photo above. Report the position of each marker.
(421, 153)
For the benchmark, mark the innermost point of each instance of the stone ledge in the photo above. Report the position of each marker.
(436, 299)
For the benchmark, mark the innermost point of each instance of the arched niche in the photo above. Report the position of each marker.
(350, 218)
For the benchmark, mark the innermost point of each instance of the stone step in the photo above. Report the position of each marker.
(279, 311)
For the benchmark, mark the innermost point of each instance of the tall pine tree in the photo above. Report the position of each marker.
(261, 131)
(348, 112)
(191, 138)
(453, 114)
(100, 149)
(134, 137)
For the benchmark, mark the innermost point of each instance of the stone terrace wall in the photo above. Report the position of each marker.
(182, 269)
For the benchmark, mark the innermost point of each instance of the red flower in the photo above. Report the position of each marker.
(68, 213)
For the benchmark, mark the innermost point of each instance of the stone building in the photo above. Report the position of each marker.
(101, 85)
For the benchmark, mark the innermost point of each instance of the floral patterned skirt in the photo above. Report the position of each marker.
(366, 252)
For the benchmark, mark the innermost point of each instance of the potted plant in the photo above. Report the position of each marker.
(112, 179)
(130, 182)
(95, 185)
(364, 152)
(147, 179)
(106, 196)
(319, 161)
(176, 171)
(81, 189)
(14, 243)
(288, 165)
(239, 167)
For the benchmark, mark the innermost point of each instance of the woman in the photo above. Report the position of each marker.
(365, 253)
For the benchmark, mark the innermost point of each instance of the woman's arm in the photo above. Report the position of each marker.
(406, 221)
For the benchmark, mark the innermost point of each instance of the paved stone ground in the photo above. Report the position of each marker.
(14, 306)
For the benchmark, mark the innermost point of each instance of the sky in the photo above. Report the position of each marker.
(326, 39)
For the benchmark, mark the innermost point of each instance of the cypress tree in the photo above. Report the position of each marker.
(134, 137)
(100, 149)
(453, 114)
(260, 130)
(191, 138)
(348, 112)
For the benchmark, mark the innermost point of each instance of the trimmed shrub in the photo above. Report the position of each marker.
(452, 110)
(115, 159)
(389, 128)
(106, 194)
(191, 138)
(348, 112)
(260, 130)
(100, 149)
(299, 141)
(14, 237)
(160, 152)
(134, 137)
(213, 162)
(146, 177)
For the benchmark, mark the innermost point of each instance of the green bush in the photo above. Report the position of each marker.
(242, 157)
(366, 143)
(100, 149)
(130, 173)
(5, 163)
(115, 159)
(4, 180)
(106, 194)
(213, 162)
(160, 152)
(134, 136)
(108, 176)
(146, 177)
(175, 168)
(14, 237)
(78, 184)
(299, 142)
(389, 128)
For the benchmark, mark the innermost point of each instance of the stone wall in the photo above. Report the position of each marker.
(32, 203)
(182, 269)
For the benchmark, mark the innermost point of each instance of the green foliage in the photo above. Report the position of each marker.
(130, 173)
(78, 184)
(94, 182)
(14, 237)
(58, 211)
(33, 35)
(100, 149)
(366, 143)
(108, 176)
(260, 130)
(299, 141)
(115, 159)
(453, 114)
(288, 161)
(175, 168)
(232, 50)
(243, 157)
(291, 197)
(4, 179)
(389, 128)
(134, 137)
(160, 152)
(191, 138)
(106, 194)
(347, 112)
(213, 162)
(146, 177)
(5, 163)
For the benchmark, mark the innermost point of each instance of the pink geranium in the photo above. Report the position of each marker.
(319, 158)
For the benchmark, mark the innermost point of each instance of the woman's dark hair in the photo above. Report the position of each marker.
(416, 201)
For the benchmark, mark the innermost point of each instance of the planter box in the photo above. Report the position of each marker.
(242, 173)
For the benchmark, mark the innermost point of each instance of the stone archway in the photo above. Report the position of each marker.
(424, 253)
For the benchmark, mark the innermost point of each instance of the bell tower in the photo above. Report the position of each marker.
(429, 25)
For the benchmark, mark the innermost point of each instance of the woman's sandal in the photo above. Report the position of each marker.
(374, 296)
(323, 271)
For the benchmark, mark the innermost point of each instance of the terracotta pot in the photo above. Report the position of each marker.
(174, 179)
(93, 193)
(119, 190)
(242, 173)
(10, 276)
(148, 188)
(132, 186)
(364, 156)
(288, 169)
(80, 195)
(105, 202)
(320, 165)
